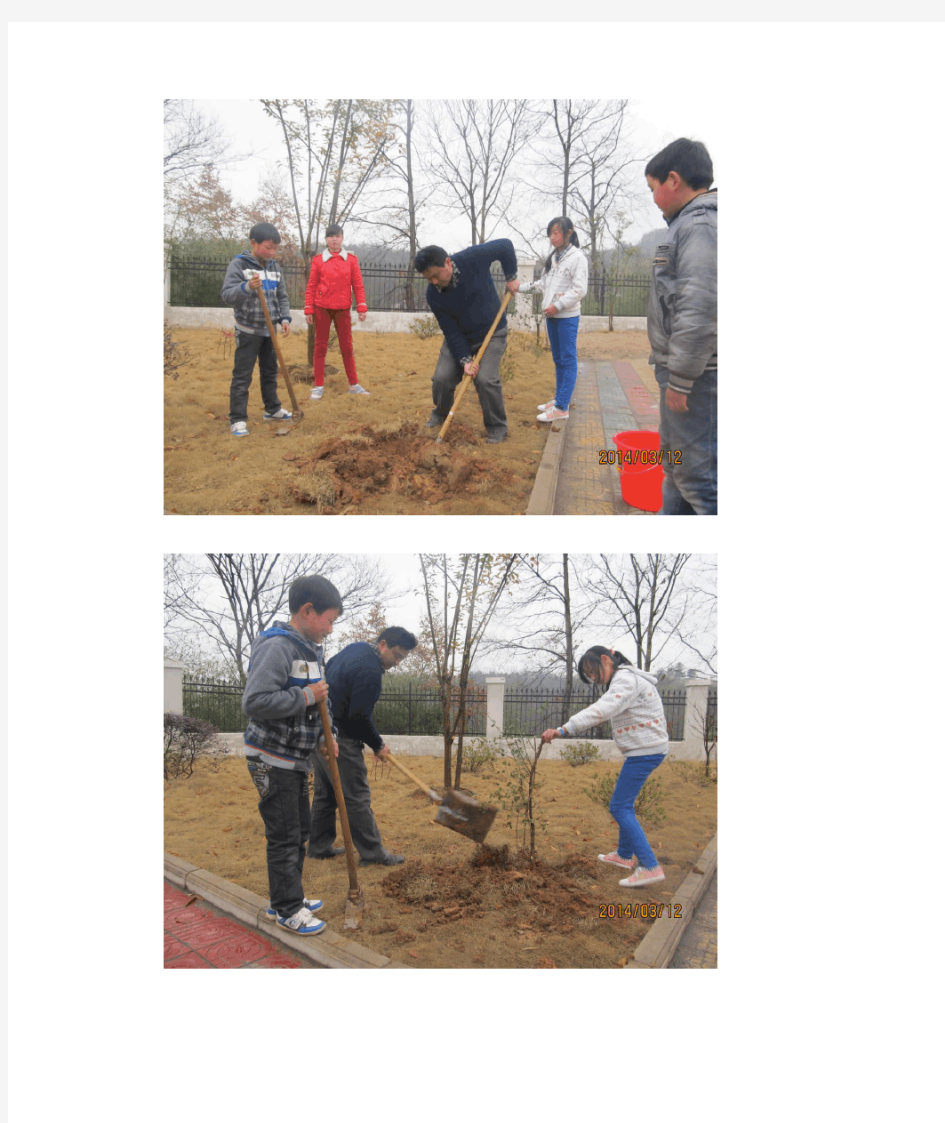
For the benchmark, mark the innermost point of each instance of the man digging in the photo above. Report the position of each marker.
(462, 296)
(354, 678)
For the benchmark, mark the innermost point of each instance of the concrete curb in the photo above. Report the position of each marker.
(660, 943)
(325, 950)
(542, 501)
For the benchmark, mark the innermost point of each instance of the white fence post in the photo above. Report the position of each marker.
(697, 699)
(174, 686)
(495, 706)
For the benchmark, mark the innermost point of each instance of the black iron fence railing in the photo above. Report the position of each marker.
(196, 283)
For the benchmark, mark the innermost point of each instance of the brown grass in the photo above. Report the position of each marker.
(439, 909)
(358, 455)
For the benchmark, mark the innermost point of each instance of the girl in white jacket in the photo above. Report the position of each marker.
(635, 710)
(563, 284)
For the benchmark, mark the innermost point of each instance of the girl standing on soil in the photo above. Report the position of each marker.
(635, 711)
(563, 283)
(335, 272)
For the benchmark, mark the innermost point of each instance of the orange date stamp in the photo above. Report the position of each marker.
(649, 456)
(651, 910)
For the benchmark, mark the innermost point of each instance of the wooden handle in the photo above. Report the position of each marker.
(275, 343)
(416, 779)
(468, 378)
(339, 796)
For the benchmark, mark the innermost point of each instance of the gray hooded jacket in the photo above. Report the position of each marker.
(681, 316)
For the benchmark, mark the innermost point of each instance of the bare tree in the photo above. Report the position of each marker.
(470, 151)
(221, 602)
(468, 589)
(645, 595)
(194, 141)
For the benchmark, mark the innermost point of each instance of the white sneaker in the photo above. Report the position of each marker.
(547, 405)
(641, 876)
(238, 429)
(357, 388)
(312, 906)
(301, 923)
(279, 415)
(317, 392)
(553, 414)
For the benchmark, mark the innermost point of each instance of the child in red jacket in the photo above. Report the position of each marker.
(328, 300)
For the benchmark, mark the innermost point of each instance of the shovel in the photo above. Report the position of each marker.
(467, 379)
(354, 906)
(461, 813)
(296, 412)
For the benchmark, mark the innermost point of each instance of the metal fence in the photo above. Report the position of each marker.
(419, 712)
(196, 283)
(218, 703)
(526, 713)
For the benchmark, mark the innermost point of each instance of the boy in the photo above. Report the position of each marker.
(283, 688)
(682, 325)
(328, 301)
(245, 275)
(355, 676)
(462, 296)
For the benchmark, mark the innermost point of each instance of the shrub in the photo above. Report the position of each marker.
(649, 804)
(187, 739)
(480, 754)
(425, 327)
(176, 355)
(602, 790)
(582, 752)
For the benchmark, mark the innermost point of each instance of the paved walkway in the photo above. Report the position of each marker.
(199, 935)
(610, 397)
(699, 947)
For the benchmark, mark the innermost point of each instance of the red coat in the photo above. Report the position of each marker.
(330, 282)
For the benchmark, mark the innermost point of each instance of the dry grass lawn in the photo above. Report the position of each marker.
(358, 454)
(439, 909)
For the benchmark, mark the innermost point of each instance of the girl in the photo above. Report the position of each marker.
(328, 300)
(635, 711)
(563, 283)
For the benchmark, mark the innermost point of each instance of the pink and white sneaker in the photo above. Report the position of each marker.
(553, 414)
(614, 859)
(641, 876)
(546, 405)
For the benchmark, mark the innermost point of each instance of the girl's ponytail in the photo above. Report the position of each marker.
(590, 660)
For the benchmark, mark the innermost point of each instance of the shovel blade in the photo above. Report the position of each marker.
(465, 816)
(354, 907)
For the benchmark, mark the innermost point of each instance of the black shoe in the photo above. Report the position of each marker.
(494, 440)
(332, 853)
(386, 859)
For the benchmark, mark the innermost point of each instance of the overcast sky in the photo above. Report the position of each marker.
(654, 123)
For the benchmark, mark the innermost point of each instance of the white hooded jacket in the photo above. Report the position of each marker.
(564, 285)
(633, 707)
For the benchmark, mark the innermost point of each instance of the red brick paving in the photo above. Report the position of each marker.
(197, 935)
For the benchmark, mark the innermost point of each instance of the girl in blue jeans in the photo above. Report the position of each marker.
(635, 710)
(563, 284)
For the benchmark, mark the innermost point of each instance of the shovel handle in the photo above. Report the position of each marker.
(339, 799)
(467, 378)
(275, 343)
(416, 779)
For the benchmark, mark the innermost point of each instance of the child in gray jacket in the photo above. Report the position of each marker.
(283, 688)
(246, 274)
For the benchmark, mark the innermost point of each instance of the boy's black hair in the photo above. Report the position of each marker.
(590, 660)
(264, 232)
(429, 255)
(316, 591)
(689, 159)
(334, 229)
(398, 637)
(566, 225)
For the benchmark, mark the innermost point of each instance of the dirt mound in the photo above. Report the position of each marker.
(404, 461)
(453, 892)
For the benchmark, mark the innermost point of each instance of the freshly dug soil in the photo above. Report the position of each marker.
(358, 454)
(451, 903)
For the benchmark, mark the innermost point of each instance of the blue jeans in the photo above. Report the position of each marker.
(690, 440)
(283, 806)
(631, 840)
(562, 335)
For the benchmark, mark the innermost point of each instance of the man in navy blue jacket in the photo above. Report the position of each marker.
(354, 679)
(462, 296)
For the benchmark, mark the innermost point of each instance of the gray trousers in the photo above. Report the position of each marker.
(357, 792)
(488, 384)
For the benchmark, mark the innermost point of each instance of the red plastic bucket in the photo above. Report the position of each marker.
(641, 479)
